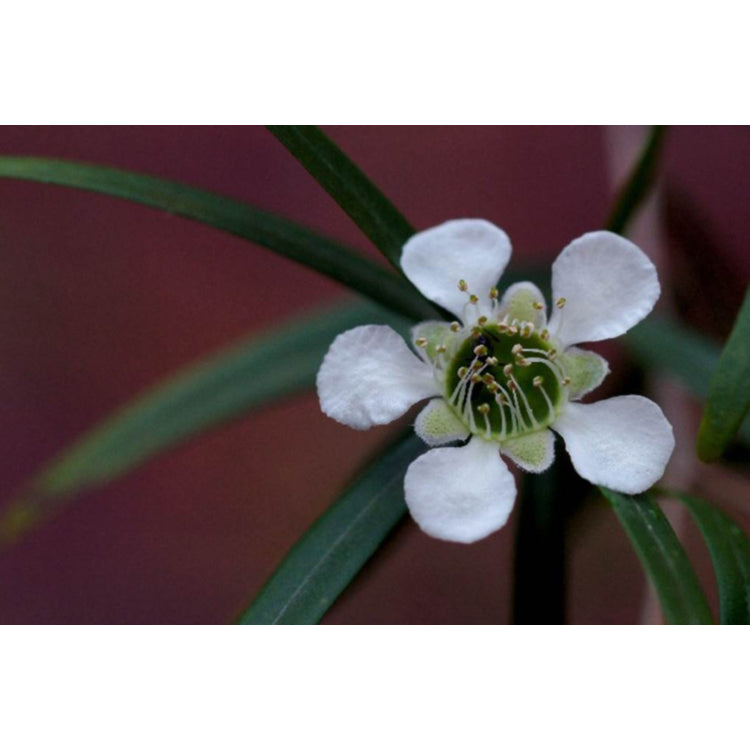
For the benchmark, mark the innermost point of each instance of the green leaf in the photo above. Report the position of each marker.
(226, 386)
(638, 183)
(348, 185)
(663, 558)
(729, 391)
(276, 233)
(325, 560)
(664, 345)
(730, 552)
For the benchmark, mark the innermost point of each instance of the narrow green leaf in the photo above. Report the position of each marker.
(325, 560)
(663, 558)
(348, 185)
(226, 386)
(664, 345)
(276, 233)
(638, 183)
(730, 552)
(729, 391)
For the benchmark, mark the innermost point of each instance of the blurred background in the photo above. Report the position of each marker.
(102, 298)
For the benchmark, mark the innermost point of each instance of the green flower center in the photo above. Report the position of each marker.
(503, 381)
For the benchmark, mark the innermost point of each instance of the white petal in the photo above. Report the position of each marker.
(585, 369)
(518, 304)
(608, 285)
(370, 376)
(472, 250)
(533, 452)
(438, 425)
(460, 494)
(623, 443)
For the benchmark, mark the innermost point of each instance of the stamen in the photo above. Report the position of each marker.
(492, 361)
(507, 370)
(421, 343)
(544, 335)
(462, 285)
(473, 299)
(560, 303)
(566, 381)
(494, 294)
(537, 381)
(455, 326)
(538, 306)
(482, 320)
(480, 350)
(517, 349)
(526, 404)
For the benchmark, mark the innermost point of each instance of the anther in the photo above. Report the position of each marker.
(528, 329)
(560, 303)
(566, 381)
(462, 372)
(512, 385)
(488, 378)
(523, 362)
(483, 408)
(551, 354)
(476, 378)
(462, 285)
(473, 299)
(493, 387)
(440, 349)
(492, 361)
(502, 328)
(517, 349)
(513, 330)
(482, 320)
(421, 343)
(476, 332)
(537, 381)
(538, 306)
(494, 294)
(544, 335)
(476, 365)
(507, 370)
(480, 350)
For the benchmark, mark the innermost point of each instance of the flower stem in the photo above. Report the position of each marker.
(539, 565)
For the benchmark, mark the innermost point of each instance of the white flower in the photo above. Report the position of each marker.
(502, 375)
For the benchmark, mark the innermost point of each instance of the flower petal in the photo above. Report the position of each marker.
(370, 376)
(460, 494)
(623, 443)
(524, 302)
(608, 285)
(585, 369)
(532, 452)
(438, 425)
(472, 250)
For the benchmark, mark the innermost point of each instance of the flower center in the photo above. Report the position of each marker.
(503, 381)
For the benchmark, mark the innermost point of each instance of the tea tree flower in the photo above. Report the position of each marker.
(503, 375)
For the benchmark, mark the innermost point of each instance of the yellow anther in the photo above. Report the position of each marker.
(488, 378)
(517, 349)
(455, 326)
(552, 353)
(473, 299)
(492, 361)
(494, 294)
(566, 381)
(480, 350)
(421, 343)
(560, 303)
(493, 387)
(482, 320)
(537, 381)
(483, 408)
(476, 332)
(462, 285)
(440, 349)
(528, 329)
(538, 306)
(475, 378)
(523, 362)
(476, 365)
(544, 335)
(462, 372)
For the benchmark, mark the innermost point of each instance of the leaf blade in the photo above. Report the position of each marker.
(663, 558)
(227, 385)
(348, 185)
(326, 559)
(728, 392)
(729, 548)
(276, 233)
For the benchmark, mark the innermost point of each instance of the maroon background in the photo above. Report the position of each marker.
(101, 298)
